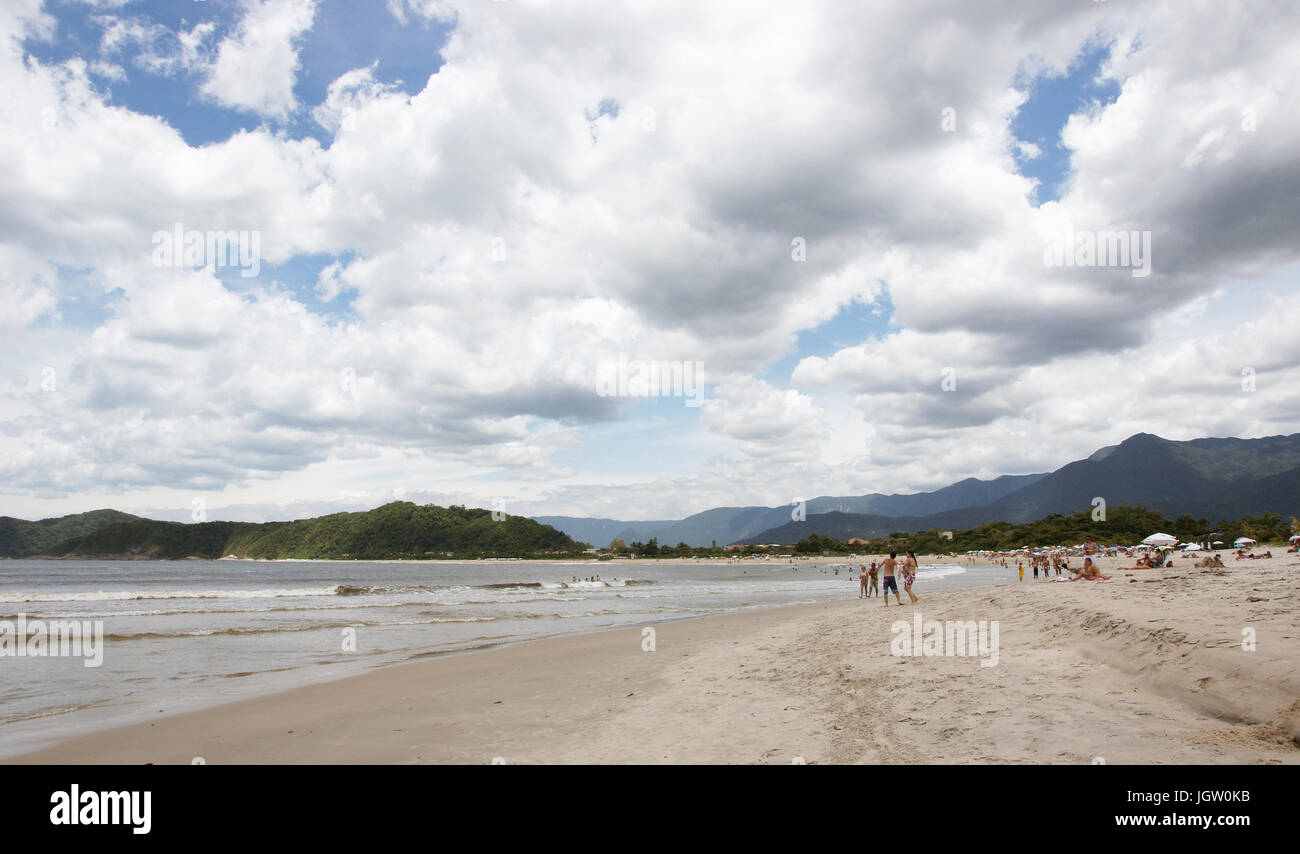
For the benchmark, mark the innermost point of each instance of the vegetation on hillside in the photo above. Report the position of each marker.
(1123, 525)
(21, 538)
(394, 531)
(402, 530)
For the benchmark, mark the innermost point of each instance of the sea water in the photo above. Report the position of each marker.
(181, 635)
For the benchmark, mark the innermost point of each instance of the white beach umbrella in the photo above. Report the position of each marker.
(1294, 537)
(1160, 540)
(1243, 541)
(1217, 543)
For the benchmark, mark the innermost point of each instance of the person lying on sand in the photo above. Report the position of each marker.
(1152, 562)
(1090, 572)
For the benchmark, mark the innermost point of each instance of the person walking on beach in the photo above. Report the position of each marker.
(909, 575)
(862, 581)
(1022, 572)
(874, 588)
(888, 565)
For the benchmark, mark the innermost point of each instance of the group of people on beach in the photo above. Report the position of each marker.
(1060, 562)
(1046, 562)
(869, 586)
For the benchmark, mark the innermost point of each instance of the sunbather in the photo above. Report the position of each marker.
(1090, 572)
(1151, 562)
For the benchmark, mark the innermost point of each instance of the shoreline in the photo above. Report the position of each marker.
(39, 727)
(96, 728)
(825, 560)
(1149, 667)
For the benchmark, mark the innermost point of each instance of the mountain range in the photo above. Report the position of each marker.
(1211, 479)
(1216, 479)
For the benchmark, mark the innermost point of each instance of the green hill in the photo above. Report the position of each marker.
(21, 538)
(397, 530)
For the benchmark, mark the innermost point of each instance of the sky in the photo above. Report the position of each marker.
(874, 249)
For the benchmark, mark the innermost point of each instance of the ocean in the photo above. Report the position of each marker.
(182, 635)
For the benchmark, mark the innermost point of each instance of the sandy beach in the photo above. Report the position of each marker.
(1147, 668)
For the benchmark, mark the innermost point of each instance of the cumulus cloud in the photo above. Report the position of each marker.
(581, 182)
(256, 67)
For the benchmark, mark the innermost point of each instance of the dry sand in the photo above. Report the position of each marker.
(1147, 668)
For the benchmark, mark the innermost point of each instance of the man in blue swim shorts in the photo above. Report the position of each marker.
(890, 583)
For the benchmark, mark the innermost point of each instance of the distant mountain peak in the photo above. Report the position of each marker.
(1144, 439)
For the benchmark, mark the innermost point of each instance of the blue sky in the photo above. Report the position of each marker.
(344, 35)
(1052, 100)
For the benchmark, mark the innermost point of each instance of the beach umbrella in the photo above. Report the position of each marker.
(1217, 543)
(1160, 540)
(1243, 541)
(1294, 537)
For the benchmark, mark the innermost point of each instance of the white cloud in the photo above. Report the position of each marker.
(255, 69)
(494, 256)
(158, 49)
(1028, 150)
(428, 10)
